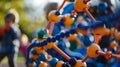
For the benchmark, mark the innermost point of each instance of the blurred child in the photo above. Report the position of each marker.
(10, 43)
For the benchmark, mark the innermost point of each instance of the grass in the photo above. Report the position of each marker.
(20, 58)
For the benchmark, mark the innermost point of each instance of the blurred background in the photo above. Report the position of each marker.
(31, 16)
(31, 12)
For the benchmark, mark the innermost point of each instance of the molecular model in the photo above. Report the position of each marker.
(62, 28)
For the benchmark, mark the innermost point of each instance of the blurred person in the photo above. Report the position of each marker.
(1, 34)
(24, 42)
(10, 41)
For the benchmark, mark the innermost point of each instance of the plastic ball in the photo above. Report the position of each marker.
(73, 37)
(79, 5)
(83, 32)
(52, 62)
(30, 60)
(108, 55)
(39, 50)
(97, 24)
(67, 9)
(99, 27)
(57, 37)
(43, 43)
(102, 6)
(88, 40)
(107, 32)
(49, 45)
(41, 33)
(92, 50)
(72, 31)
(38, 62)
(53, 39)
(113, 44)
(42, 57)
(33, 52)
(53, 17)
(100, 31)
(117, 36)
(73, 61)
(67, 33)
(113, 31)
(83, 25)
(57, 13)
(62, 34)
(79, 63)
(49, 56)
(66, 65)
(68, 20)
(59, 64)
(34, 57)
(43, 65)
(48, 39)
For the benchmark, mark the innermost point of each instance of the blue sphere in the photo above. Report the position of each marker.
(53, 62)
(33, 51)
(57, 13)
(53, 39)
(30, 60)
(48, 39)
(44, 42)
(67, 33)
(38, 62)
(73, 61)
(57, 37)
(42, 57)
(62, 34)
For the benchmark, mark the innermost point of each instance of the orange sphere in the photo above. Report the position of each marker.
(108, 55)
(35, 57)
(39, 50)
(80, 64)
(52, 17)
(113, 44)
(79, 5)
(49, 45)
(73, 37)
(83, 32)
(100, 31)
(43, 65)
(117, 36)
(107, 32)
(59, 64)
(49, 56)
(68, 20)
(113, 31)
(91, 50)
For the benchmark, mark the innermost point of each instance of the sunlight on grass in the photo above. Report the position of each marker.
(20, 58)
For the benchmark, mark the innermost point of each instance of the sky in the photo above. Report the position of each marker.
(35, 7)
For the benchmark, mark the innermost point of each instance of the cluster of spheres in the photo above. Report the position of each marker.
(67, 41)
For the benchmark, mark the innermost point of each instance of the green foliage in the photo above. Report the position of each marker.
(26, 26)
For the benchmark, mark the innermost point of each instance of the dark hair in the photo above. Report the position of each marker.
(10, 16)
